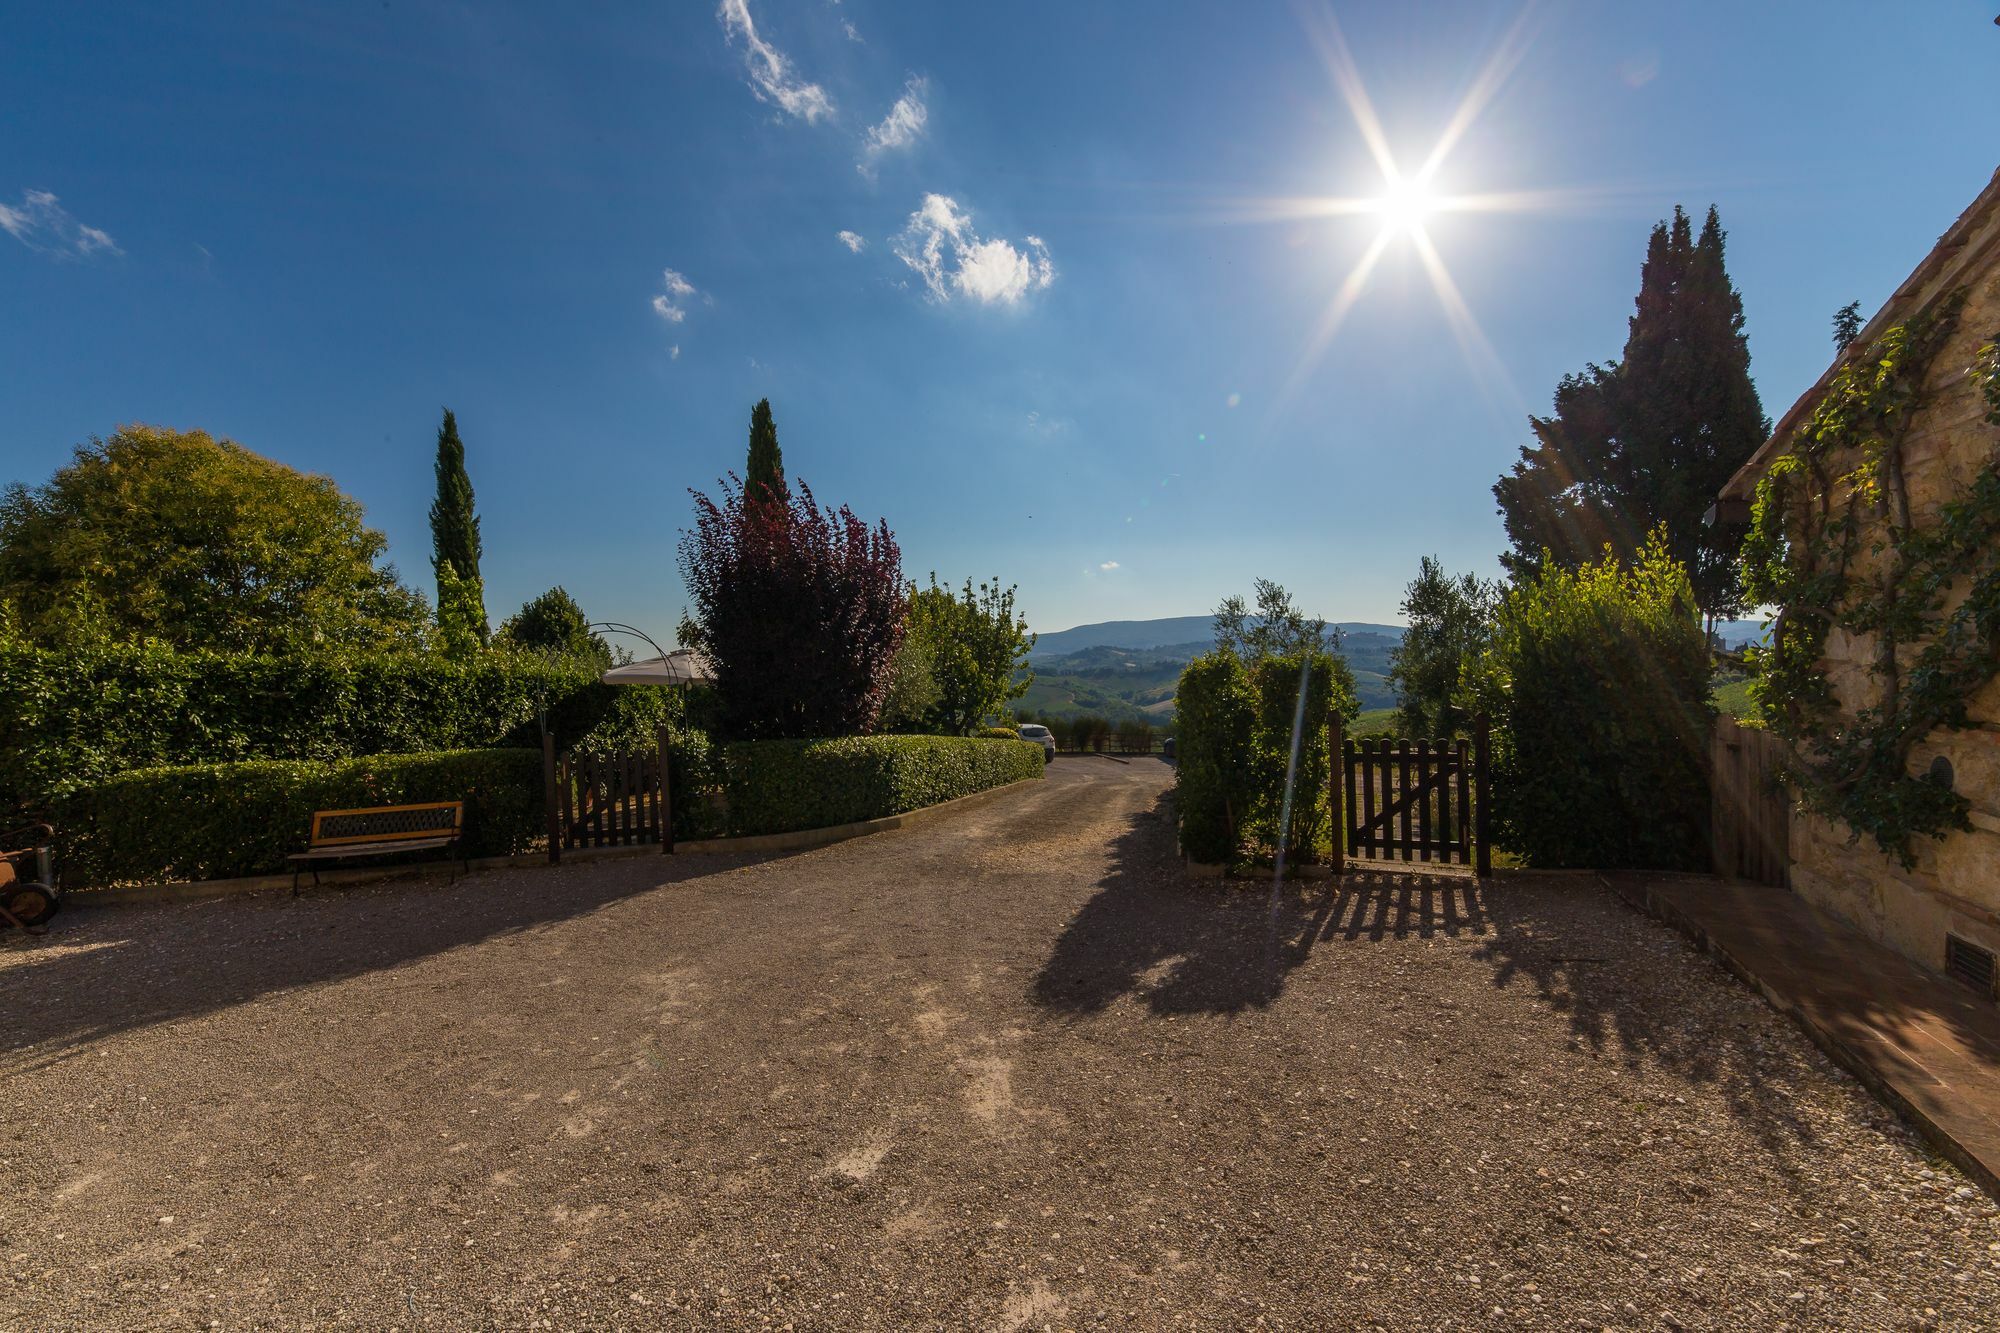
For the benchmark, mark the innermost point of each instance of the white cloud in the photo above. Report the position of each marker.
(853, 34)
(1108, 565)
(670, 305)
(674, 352)
(772, 78)
(903, 126)
(42, 224)
(941, 245)
(854, 241)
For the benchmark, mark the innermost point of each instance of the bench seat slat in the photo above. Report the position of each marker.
(370, 848)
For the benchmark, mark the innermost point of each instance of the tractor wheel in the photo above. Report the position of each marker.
(30, 904)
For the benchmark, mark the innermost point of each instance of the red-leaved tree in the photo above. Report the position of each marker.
(798, 609)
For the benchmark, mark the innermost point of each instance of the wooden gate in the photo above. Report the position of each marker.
(1750, 810)
(621, 800)
(1420, 800)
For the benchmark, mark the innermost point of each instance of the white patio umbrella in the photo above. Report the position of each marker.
(679, 667)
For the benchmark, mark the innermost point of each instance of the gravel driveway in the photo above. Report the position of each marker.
(1006, 1069)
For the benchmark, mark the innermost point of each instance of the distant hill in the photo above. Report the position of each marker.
(1126, 669)
(1172, 630)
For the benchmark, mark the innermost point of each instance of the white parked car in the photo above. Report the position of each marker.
(1035, 731)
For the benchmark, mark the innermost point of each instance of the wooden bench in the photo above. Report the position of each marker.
(380, 830)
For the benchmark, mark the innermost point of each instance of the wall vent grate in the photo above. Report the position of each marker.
(1971, 964)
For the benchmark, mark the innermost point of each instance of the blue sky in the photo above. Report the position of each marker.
(1072, 346)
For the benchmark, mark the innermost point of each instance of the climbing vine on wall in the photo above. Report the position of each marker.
(1836, 543)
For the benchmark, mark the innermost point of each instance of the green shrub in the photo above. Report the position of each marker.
(1597, 681)
(69, 718)
(1233, 744)
(779, 786)
(216, 821)
(997, 734)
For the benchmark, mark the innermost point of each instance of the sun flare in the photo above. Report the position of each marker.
(1406, 204)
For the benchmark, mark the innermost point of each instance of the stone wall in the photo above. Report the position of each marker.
(1955, 885)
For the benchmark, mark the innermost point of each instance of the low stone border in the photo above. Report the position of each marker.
(766, 844)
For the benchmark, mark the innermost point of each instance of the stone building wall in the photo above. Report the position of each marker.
(1955, 884)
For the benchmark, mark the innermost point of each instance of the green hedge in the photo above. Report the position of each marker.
(778, 786)
(215, 821)
(71, 718)
(1233, 743)
(1598, 683)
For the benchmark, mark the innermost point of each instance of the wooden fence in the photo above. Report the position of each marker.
(619, 800)
(1750, 810)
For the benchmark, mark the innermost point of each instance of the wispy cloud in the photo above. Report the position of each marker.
(942, 247)
(772, 77)
(671, 304)
(42, 224)
(1108, 565)
(854, 241)
(853, 33)
(903, 126)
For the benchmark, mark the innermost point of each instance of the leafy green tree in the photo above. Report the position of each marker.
(977, 647)
(554, 623)
(1598, 680)
(1846, 325)
(1648, 441)
(1276, 628)
(764, 477)
(1450, 620)
(455, 548)
(177, 537)
(913, 690)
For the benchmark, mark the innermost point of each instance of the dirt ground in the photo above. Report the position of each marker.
(1008, 1069)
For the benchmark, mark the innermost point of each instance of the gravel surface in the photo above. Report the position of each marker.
(1007, 1069)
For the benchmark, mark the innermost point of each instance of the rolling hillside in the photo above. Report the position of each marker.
(1128, 668)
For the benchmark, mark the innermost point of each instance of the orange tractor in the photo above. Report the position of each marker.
(27, 888)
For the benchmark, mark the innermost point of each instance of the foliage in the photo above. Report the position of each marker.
(70, 718)
(1450, 620)
(799, 609)
(997, 734)
(1846, 326)
(976, 646)
(913, 689)
(199, 543)
(1135, 737)
(778, 786)
(764, 473)
(1837, 546)
(1597, 682)
(210, 821)
(1233, 747)
(1651, 439)
(553, 623)
(1089, 733)
(1214, 757)
(455, 550)
(1277, 628)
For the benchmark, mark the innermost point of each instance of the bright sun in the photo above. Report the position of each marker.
(1405, 205)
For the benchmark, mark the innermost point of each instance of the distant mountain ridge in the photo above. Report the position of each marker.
(1171, 631)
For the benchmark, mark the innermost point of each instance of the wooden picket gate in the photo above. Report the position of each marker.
(622, 800)
(1423, 800)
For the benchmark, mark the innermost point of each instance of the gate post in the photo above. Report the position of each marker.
(1482, 752)
(666, 795)
(549, 797)
(1336, 774)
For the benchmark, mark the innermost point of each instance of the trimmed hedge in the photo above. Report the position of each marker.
(70, 718)
(217, 821)
(779, 786)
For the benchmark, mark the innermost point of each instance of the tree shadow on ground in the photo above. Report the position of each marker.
(1626, 988)
(1203, 946)
(103, 971)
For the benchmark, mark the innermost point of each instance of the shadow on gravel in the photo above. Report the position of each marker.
(105, 971)
(1196, 946)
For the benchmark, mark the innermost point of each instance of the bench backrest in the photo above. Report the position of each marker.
(388, 823)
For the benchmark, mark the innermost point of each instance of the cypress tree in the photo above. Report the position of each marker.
(455, 545)
(1648, 441)
(764, 478)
